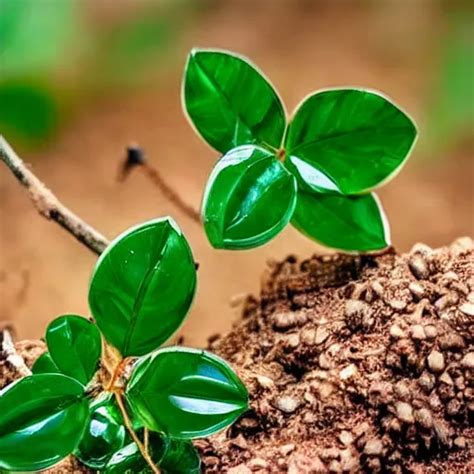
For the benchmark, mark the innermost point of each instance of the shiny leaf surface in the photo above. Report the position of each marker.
(356, 138)
(181, 457)
(185, 393)
(143, 286)
(249, 199)
(346, 223)
(44, 365)
(75, 347)
(42, 420)
(230, 102)
(104, 436)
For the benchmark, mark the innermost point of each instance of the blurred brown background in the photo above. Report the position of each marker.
(79, 80)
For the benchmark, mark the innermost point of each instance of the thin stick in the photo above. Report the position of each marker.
(136, 439)
(48, 205)
(9, 353)
(136, 157)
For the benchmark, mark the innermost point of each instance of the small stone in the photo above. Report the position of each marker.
(461, 246)
(403, 390)
(453, 408)
(417, 332)
(240, 442)
(442, 432)
(356, 313)
(308, 336)
(396, 332)
(334, 466)
(404, 412)
(257, 463)
(264, 381)
(324, 361)
(467, 361)
(287, 449)
(446, 301)
(293, 341)
(436, 361)
(210, 461)
(287, 404)
(424, 418)
(467, 309)
(239, 469)
(397, 305)
(373, 447)
(431, 332)
(329, 453)
(348, 372)
(361, 429)
(460, 442)
(422, 249)
(325, 390)
(470, 297)
(417, 290)
(346, 438)
(349, 462)
(419, 266)
(321, 335)
(284, 320)
(446, 378)
(300, 463)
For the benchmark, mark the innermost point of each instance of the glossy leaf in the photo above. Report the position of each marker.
(44, 365)
(185, 393)
(42, 420)
(143, 286)
(355, 223)
(104, 436)
(230, 102)
(249, 199)
(75, 346)
(356, 138)
(180, 457)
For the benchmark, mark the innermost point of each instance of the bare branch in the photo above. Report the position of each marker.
(136, 158)
(48, 205)
(10, 354)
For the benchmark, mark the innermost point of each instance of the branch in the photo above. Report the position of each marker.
(10, 354)
(48, 205)
(136, 158)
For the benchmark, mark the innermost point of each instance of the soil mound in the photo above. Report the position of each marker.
(355, 364)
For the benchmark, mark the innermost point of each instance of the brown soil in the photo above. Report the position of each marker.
(354, 364)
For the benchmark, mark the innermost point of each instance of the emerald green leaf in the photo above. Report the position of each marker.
(104, 436)
(181, 457)
(355, 223)
(142, 286)
(230, 102)
(44, 365)
(42, 420)
(249, 199)
(357, 138)
(75, 346)
(185, 393)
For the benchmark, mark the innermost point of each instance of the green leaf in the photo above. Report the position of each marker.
(249, 199)
(42, 418)
(181, 457)
(142, 286)
(357, 138)
(75, 346)
(104, 436)
(355, 223)
(185, 393)
(230, 102)
(44, 364)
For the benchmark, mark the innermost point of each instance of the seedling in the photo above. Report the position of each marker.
(137, 410)
(316, 170)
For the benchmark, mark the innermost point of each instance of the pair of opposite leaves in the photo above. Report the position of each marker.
(140, 292)
(315, 172)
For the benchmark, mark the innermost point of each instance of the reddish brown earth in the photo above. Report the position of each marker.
(353, 364)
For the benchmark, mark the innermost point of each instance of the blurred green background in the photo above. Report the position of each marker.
(81, 79)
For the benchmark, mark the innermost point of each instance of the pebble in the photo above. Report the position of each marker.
(287, 404)
(308, 336)
(468, 361)
(424, 418)
(446, 378)
(374, 447)
(431, 332)
(293, 341)
(349, 462)
(417, 290)
(467, 309)
(264, 381)
(404, 412)
(396, 332)
(240, 442)
(354, 308)
(436, 361)
(257, 463)
(334, 466)
(397, 305)
(446, 301)
(287, 449)
(348, 372)
(442, 432)
(285, 320)
(451, 341)
(417, 332)
(239, 469)
(460, 442)
(329, 453)
(346, 438)
(419, 266)
(321, 335)
(422, 249)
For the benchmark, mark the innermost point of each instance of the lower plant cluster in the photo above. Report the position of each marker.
(102, 391)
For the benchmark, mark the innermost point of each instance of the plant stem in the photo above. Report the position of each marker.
(10, 354)
(136, 439)
(48, 205)
(136, 157)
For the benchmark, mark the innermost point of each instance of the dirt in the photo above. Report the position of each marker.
(353, 364)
